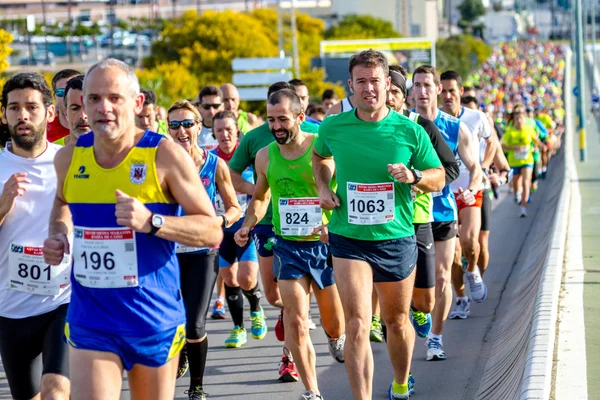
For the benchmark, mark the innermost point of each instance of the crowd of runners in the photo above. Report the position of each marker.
(376, 205)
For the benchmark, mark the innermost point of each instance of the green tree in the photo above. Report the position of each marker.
(461, 53)
(470, 11)
(171, 81)
(361, 27)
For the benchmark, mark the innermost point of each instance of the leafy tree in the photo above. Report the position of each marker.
(5, 50)
(462, 53)
(171, 82)
(361, 27)
(470, 11)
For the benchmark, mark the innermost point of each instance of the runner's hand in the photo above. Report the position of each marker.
(417, 190)
(54, 249)
(328, 200)
(401, 173)
(130, 212)
(494, 179)
(241, 237)
(324, 233)
(14, 187)
(466, 196)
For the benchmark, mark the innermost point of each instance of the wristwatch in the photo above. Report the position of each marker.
(418, 176)
(225, 222)
(156, 222)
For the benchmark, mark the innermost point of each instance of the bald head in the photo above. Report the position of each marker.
(231, 97)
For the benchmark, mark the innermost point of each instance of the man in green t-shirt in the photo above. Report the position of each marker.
(371, 233)
(284, 170)
(146, 119)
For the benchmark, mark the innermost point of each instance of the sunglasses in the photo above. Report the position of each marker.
(208, 106)
(59, 92)
(186, 123)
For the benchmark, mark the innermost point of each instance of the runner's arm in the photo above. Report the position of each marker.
(233, 211)
(61, 220)
(491, 145)
(323, 170)
(465, 152)
(240, 184)
(257, 208)
(334, 109)
(442, 150)
(242, 158)
(200, 227)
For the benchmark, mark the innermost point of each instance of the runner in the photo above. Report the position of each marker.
(371, 233)
(302, 92)
(285, 169)
(316, 112)
(243, 158)
(34, 296)
(120, 190)
(76, 116)
(426, 87)
(231, 100)
(238, 266)
(58, 127)
(469, 216)
(329, 98)
(209, 102)
(199, 266)
(147, 119)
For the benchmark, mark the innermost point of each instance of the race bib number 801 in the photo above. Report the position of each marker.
(370, 204)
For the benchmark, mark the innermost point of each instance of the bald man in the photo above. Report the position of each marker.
(231, 98)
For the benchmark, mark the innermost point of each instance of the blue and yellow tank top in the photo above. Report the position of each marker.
(144, 295)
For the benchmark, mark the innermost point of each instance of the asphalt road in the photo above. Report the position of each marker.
(251, 372)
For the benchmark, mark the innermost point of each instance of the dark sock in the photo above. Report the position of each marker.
(197, 358)
(253, 295)
(235, 302)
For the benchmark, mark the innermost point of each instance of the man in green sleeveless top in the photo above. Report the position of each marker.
(284, 170)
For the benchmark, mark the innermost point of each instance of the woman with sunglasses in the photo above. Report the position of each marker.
(199, 266)
(520, 141)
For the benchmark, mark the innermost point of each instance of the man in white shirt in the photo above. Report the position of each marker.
(208, 102)
(33, 295)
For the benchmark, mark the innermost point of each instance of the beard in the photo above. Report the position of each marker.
(290, 134)
(31, 140)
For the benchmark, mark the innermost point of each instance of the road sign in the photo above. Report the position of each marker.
(30, 23)
(256, 93)
(261, 64)
(260, 78)
(257, 74)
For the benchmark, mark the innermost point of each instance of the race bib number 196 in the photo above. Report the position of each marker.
(29, 273)
(370, 204)
(105, 257)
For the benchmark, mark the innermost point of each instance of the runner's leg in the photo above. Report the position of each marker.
(147, 383)
(95, 375)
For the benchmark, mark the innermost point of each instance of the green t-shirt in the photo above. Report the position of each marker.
(362, 151)
(423, 208)
(251, 143)
(242, 121)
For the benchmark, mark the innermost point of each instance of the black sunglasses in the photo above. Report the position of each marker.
(186, 123)
(207, 106)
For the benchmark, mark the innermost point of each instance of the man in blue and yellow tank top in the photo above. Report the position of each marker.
(119, 193)
(284, 168)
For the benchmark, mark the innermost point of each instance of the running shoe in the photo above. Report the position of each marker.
(523, 212)
(259, 324)
(411, 384)
(279, 329)
(477, 287)
(310, 395)
(534, 187)
(311, 324)
(237, 337)
(461, 310)
(287, 368)
(336, 348)
(376, 330)
(196, 393)
(421, 322)
(434, 350)
(518, 198)
(184, 364)
(218, 311)
(396, 396)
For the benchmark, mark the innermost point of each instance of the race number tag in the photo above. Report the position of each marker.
(29, 273)
(220, 204)
(105, 257)
(521, 155)
(299, 216)
(370, 204)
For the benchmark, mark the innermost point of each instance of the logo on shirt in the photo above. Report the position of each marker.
(351, 186)
(205, 182)
(81, 173)
(137, 174)
(16, 248)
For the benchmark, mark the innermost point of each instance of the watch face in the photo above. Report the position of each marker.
(158, 221)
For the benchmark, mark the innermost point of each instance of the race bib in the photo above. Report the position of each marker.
(370, 204)
(299, 216)
(105, 257)
(220, 204)
(29, 273)
(521, 155)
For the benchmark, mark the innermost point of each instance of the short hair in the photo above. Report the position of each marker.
(291, 96)
(369, 58)
(149, 97)
(329, 94)
(451, 76)
(185, 105)
(63, 74)
(224, 115)
(134, 83)
(277, 86)
(400, 69)
(27, 80)
(75, 83)
(210, 90)
(467, 88)
(315, 108)
(428, 69)
(469, 99)
(297, 82)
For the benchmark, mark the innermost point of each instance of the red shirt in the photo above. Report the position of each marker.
(56, 130)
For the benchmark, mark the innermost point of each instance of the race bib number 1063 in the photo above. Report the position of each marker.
(370, 204)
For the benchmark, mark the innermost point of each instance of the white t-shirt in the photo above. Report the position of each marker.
(206, 139)
(480, 129)
(26, 225)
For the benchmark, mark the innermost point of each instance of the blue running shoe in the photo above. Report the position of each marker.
(396, 396)
(411, 384)
(421, 321)
(237, 338)
(259, 324)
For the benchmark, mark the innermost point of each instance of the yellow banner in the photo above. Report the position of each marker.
(354, 47)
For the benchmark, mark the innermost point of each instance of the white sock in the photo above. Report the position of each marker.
(434, 336)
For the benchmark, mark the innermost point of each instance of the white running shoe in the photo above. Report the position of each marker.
(477, 287)
(461, 310)
(310, 395)
(311, 324)
(523, 212)
(435, 350)
(336, 348)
